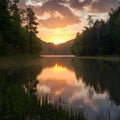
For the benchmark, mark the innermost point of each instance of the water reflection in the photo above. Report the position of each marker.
(17, 88)
(102, 76)
(59, 80)
(90, 84)
(85, 83)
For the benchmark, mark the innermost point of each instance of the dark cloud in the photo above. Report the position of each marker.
(79, 5)
(104, 5)
(95, 5)
(61, 16)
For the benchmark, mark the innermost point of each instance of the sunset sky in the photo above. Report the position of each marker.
(60, 20)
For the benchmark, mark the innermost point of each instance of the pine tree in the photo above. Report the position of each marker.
(31, 27)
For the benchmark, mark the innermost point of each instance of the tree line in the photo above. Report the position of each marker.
(100, 38)
(18, 28)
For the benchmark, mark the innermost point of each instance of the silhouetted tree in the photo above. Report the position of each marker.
(15, 37)
(100, 38)
(31, 26)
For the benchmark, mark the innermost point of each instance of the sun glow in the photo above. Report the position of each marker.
(59, 80)
(59, 68)
(56, 36)
(59, 73)
(57, 42)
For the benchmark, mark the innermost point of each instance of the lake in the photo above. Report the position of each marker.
(29, 87)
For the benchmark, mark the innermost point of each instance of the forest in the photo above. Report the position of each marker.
(100, 38)
(18, 28)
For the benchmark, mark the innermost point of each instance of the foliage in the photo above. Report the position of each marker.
(100, 38)
(14, 36)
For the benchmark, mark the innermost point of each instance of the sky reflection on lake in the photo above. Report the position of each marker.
(90, 84)
(59, 80)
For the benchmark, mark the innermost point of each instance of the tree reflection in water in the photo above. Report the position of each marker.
(33, 92)
(87, 89)
(102, 75)
(18, 100)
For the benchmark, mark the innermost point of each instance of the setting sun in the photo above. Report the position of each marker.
(56, 36)
(57, 42)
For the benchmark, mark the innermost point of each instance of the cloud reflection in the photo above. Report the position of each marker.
(58, 79)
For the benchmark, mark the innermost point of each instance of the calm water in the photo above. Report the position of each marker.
(90, 84)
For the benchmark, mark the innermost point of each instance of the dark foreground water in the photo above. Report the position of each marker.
(53, 88)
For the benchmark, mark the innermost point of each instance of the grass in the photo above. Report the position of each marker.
(28, 108)
(18, 99)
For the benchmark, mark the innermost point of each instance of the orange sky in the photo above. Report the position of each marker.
(60, 20)
(58, 35)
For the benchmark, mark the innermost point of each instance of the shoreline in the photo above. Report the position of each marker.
(30, 57)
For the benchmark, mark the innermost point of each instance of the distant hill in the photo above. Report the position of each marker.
(51, 49)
